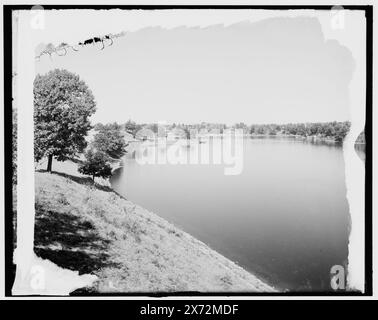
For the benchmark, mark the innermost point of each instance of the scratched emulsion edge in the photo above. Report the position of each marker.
(354, 166)
(34, 276)
(351, 33)
(33, 273)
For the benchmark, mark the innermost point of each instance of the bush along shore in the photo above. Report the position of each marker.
(86, 226)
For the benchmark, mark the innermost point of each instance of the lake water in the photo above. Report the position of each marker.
(285, 217)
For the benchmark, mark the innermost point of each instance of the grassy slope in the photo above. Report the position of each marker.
(92, 229)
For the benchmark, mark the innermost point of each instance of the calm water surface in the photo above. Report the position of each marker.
(284, 218)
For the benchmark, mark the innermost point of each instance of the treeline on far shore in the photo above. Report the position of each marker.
(334, 130)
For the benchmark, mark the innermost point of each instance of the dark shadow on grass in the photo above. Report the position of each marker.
(82, 180)
(70, 241)
(89, 182)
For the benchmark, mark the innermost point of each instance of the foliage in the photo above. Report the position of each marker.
(132, 127)
(153, 127)
(62, 106)
(109, 140)
(329, 130)
(242, 126)
(187, 132)
(95, 164)
(333, 130)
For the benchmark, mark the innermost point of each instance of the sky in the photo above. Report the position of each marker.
(276, 70)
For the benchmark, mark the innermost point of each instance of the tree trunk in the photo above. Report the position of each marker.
(93, 178)
(49, 163)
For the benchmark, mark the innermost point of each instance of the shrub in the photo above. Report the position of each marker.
(95, 165)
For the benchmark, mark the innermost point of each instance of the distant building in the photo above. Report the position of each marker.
(145, 134)
(176, 134)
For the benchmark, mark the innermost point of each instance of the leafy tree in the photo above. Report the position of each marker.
(62, 106)
(342, 130)
(272, 131)
(95, 165)
(98, 127)
(153, 127)
(187, 132)
(109, 140)
(132, 127)
(260, 130)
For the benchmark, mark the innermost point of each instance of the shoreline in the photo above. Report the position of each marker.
(157, 249)
(312, 138)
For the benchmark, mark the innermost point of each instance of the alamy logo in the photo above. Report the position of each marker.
(338, 277)
(338, 18)
(194, 148)
(37, 19)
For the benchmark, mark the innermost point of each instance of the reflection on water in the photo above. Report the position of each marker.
(284, 218)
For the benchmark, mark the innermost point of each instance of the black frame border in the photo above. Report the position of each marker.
(8, 197)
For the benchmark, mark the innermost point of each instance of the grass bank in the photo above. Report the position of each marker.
(90, 228)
